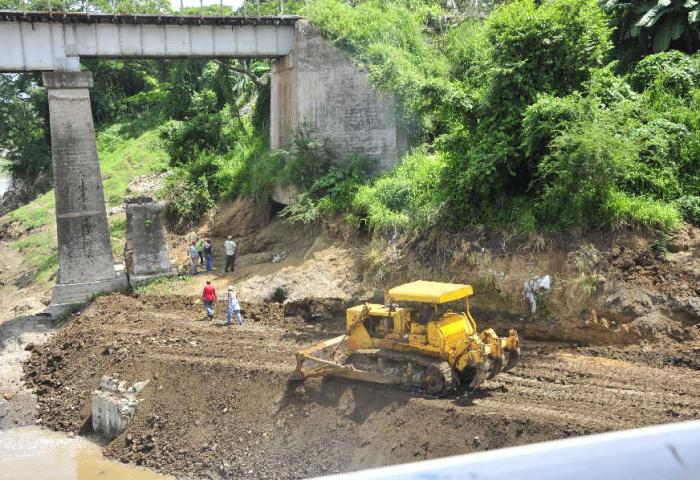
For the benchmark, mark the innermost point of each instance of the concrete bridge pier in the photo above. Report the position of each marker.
(86, 265)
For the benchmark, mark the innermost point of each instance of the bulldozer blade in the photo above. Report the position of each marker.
(481, 372)
(317, 360)
(512, 358)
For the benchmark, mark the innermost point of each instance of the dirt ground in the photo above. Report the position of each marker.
(614, 344)
(220, 402)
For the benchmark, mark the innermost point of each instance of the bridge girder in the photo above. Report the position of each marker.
(55, 42)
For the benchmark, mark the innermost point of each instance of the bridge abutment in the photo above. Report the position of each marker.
(318, 89)
(86, 265)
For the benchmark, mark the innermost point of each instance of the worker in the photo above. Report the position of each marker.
(426, 315)
(200, 249)
(194, 256)
(233, 307)
(231, 248)
(208, 254)
(208, 298)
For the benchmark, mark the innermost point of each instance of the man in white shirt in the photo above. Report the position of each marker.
(231, 248)
(194, 256)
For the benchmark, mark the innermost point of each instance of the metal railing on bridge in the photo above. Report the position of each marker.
(122, 9)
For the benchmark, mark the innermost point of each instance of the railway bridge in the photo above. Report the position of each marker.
(313, 84)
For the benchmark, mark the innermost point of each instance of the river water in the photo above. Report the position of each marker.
(38, 454)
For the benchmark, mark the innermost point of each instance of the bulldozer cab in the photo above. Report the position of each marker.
(433, 322)
(432, 299)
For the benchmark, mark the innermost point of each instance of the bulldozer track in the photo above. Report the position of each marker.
(449, 379)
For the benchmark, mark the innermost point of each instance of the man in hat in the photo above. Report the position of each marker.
(231, 248)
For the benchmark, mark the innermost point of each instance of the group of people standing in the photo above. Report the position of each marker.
(202, 254)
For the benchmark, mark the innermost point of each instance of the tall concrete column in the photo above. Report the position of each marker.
(86, 265)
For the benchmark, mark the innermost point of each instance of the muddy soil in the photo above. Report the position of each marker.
(220, 402)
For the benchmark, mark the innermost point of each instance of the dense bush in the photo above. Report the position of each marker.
(689, 205)
(408, 196)
(523, 119)
(187, 200)
(531, 122)
(672, 71)
(547, 49)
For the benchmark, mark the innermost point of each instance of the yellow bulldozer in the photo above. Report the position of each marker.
(420, 343)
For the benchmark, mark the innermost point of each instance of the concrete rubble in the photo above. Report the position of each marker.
(532, 289)
(114, 405)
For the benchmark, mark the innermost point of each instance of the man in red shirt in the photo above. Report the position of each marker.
(209, 297)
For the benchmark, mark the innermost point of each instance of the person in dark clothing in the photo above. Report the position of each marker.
(208, 254)
(199, 245)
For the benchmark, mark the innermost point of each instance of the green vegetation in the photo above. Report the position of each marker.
(39, 252)
(540, 116)
(531, 125)
(645, 26)
(121, 159)
(167, 285)
(408, 196)
(24, 133)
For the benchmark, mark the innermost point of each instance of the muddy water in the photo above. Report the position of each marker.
(31, 452)
(34, 453)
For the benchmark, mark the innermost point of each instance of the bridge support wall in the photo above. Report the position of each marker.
(86, 265)
(318, 89)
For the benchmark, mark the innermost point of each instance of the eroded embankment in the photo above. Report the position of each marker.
(220, 402)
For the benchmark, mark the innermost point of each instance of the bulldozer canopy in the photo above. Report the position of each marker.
(430, 292)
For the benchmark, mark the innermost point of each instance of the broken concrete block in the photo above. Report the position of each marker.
(113, 406)
(146, 253)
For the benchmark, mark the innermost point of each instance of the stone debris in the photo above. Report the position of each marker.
(278, 257)
(114, 405)
(533, 287)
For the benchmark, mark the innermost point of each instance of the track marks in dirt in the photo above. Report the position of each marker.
(221, 403)
(597, 393)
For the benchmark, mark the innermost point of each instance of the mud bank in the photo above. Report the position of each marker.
(220, 402)
(26, 450)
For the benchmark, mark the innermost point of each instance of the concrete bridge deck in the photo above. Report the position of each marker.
(43, 41)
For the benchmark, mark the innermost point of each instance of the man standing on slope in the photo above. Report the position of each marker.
(231, 249)
(208, 254)
(209, 297)
(199, 245)
(194, 256)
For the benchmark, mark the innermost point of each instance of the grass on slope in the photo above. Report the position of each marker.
(121, 159)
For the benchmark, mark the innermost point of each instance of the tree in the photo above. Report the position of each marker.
(656, 25)
(24, 134)
(550, 48)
